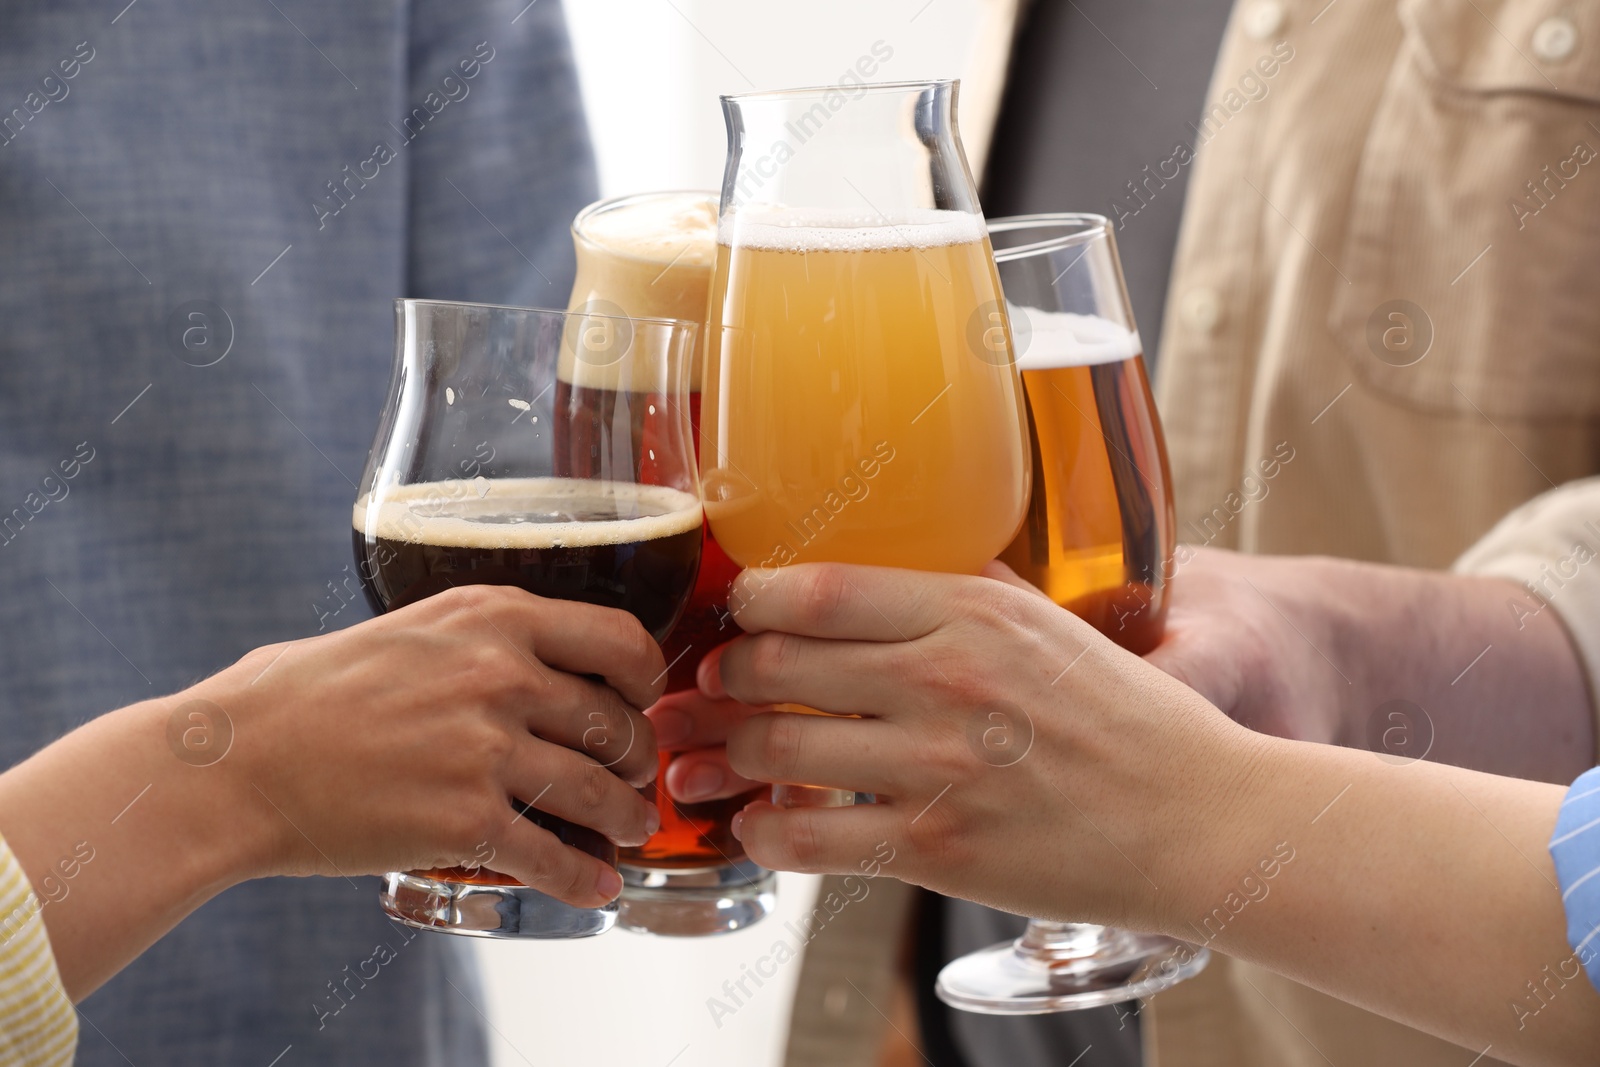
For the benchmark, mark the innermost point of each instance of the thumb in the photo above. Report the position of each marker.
(1000, 572)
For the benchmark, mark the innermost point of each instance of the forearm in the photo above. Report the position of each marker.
(145, 837)
(1485, 686)
(1423, 893)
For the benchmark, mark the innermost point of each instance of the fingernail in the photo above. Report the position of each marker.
(652, 819)
(737, 826)
(609, 884)
(708, 676)
(702, 780)
(673, 727)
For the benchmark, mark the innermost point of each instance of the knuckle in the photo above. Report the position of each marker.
(937, 837)
(770, 658)
(633, 643)
(492, 746)
(822, 594)
(799, 842)
(780, 744)
(592, 787)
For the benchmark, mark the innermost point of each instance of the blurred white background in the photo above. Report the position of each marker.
(651, 73)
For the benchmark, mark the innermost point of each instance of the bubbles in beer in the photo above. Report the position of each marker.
(811, 230)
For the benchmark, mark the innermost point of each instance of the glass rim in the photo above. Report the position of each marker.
(611, 203)
(409, 302)
(1077, 228)
(819, 90)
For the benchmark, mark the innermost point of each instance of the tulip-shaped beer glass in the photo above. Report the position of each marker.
(1098, 539)
(543, 450)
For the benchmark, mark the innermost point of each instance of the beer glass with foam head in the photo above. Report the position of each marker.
(547, 451)
(651, 255)
(1098, 539)
(860, 403)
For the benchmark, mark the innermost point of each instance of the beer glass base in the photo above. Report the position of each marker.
(1067, 967)
(488, 910)
(698, 902)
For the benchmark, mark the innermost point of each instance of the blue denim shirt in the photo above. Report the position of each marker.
(205, 212)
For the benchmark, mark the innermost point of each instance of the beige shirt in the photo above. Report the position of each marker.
(1387, 264)
(1388, 270)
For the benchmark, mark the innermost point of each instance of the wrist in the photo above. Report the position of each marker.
(1361, 614)
(209, 783)
(1217, 818)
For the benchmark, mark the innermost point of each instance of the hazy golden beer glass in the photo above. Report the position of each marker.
(852, 412)
(1098, 539)
(849, 419)
(651, 255)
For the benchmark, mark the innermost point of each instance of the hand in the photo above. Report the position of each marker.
(1019, 758)
(396, 744)
(402, 743)
(696, 727)
(1253, 635)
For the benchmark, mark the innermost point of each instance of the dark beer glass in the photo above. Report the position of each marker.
(547, 451)
(1098, 539)
(651, 254)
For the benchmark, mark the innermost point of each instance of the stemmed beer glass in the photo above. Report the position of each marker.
(851, 413)
(1098, 539)
(543, 450)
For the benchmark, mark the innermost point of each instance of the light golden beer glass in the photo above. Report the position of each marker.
(1098, 540)
(861, 404)
(650, 256)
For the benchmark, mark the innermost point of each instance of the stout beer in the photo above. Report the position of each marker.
(1099, 526)
(615, 544)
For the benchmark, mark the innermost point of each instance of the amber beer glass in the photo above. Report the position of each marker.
(651, 255)
(1098, 539)
(485, 472)
(848, 416)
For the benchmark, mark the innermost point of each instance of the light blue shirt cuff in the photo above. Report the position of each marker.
(1575, 848)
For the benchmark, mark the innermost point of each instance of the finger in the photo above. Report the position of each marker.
(860, 755)
(575, 637)
(704, 774)
(535, 857)
(846, 677)
(574, 787)
(1202, 659)
(591, 718)
(858, 840)
(840, 601)
(691, 719)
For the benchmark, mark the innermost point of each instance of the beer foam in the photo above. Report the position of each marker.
(792, 229)
(665, 228)
(1065, 339)
(456, 514)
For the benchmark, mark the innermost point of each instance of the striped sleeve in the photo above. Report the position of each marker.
(1575, 847)
(38, 1026)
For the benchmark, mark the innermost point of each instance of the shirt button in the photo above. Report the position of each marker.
(1555, 39)
(1263, 19)
(1202, 310)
